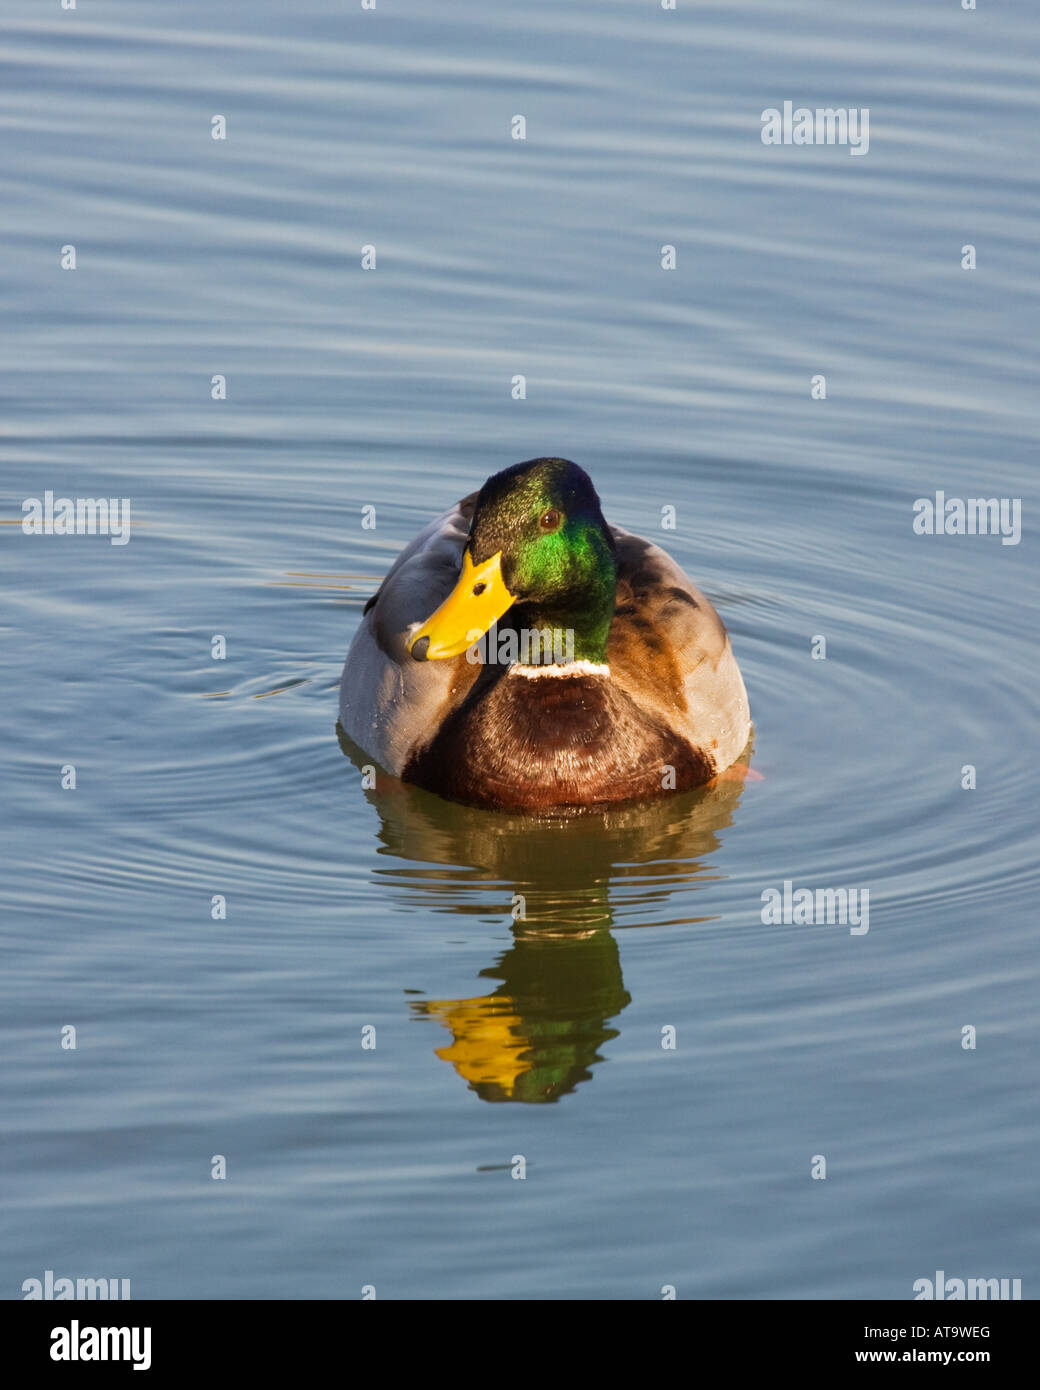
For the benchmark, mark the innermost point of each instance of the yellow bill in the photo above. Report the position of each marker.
(478, 599)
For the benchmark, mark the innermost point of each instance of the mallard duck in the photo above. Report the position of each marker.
(523, 654)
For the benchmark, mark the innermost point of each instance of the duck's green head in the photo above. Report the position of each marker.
(538, 540)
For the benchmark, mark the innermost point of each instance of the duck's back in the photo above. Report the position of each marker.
(389, 703)
(670, 652)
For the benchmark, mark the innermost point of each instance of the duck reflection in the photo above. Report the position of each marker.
(538, 1034)
(565, 883)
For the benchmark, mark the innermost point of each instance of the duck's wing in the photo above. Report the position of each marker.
(669, 650)
(389, 702)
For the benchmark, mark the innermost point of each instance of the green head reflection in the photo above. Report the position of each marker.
(538, 1035)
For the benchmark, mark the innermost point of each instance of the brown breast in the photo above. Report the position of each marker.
(559, 743)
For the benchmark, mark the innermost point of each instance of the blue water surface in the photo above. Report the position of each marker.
(197, 779)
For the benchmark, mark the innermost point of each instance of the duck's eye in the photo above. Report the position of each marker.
(549, 520)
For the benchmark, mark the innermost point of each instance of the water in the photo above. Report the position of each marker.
(391, 388)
